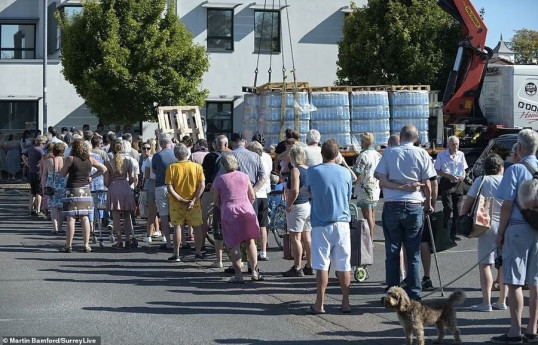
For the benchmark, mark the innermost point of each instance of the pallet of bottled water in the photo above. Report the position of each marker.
(330, 113)
(410, 107)
(329, 99)
(251, 100)
(252, 127)
(333, 126)
(275, 114)
(370, 112)
(408, 97)
(343, 139)
(374, 125)
(397, 124)
(274, 126)
(274, 99)
(380, 138)
(369, 98)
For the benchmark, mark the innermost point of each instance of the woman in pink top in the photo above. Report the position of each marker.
(234, 195)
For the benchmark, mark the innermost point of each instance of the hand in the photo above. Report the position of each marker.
(288, 208)
(90, 179)
(428, 210)
(500, 239)
(413, 187)
(191, 204)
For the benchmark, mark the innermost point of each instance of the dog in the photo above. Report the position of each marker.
(413, 315)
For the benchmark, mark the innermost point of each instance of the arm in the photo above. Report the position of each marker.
(101, 169)
(506, 213)
(260, 175)
(428, 197)
(452, 178)
(173, 193)
(467, 204)
(198, 194)
(435, 191)
(216, 197)
(259, 184)
(294, 191)
(251, 193)
(384, 182)
(344, 164)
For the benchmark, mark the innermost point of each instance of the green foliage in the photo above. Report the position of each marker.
(398, 42)
(525, 45)
(123, 56)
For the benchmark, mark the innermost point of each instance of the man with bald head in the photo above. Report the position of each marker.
(401, 168)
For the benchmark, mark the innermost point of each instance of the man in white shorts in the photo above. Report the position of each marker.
(330, 186)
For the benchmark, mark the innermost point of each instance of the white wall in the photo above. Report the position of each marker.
(316, 27)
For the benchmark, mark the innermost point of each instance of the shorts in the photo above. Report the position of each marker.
(331, 243)
(35, 183)
(298, 220)
(207, 206)
(180, 215)
(520, 254)
(369, 205)
(149, 187)
(161, 200)
(263, 212)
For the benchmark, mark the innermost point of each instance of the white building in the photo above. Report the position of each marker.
(230, 31)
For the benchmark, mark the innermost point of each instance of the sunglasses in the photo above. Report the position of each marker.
(146, 148)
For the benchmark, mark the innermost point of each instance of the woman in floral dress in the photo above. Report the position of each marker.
(52, 167)
(367, 187)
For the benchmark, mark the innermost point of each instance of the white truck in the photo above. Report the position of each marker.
(509, 95)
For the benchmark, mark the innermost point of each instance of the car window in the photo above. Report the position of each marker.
(502, 148)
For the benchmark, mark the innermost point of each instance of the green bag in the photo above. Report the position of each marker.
(441, 235)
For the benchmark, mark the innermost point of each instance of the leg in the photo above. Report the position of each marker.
(486, 281)
(322, 279)
(457, 199)
(252, 254)
(235, 257)
(116, 221)
(344, 278)
(426, 258)
(403, 263)
(55, 216)
(152, 219)
(393, 240)
(128, 225)
(38, 203)
(198, 238)
(85, 222)
(515, 295)
(306, 239)
(219, 246)
(413, 224)
(263, 239)
(440, 332)
(533, 305)
(420, 335)
(177, 238)
(296, 248)
(165, 227)
(369, 215)
(70, 232)
(446, 199)
(455, 330)
(503, 289)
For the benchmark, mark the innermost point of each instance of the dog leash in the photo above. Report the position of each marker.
(459, 277)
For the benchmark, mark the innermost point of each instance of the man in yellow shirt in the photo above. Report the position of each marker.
(185, 182)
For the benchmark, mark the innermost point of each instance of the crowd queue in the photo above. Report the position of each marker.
(224, 188)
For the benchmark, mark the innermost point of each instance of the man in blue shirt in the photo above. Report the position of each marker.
(519, 243)
(160, 162)
(401, 168)
(330, 186)
(34, 155)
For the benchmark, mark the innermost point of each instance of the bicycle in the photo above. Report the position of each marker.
(277, 216)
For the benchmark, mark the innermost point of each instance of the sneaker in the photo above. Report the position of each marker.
(33, 213)
(293, 272)
(499, 306)
(156, 234)
(229, 270)
(147, 239)
(482, 308)
(40, 214)
(427, 285)
(118, 245)
(174, 258)
(308, 271)
(263, 257)
(199, 256)
(216, 264)
(530, 338)
(87, 249)
(504, 339)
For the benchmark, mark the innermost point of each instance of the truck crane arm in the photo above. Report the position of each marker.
(466, 78)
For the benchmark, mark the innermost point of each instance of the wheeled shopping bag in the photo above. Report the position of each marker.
(362, 254)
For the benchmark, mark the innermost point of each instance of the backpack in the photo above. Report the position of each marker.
(530, 215)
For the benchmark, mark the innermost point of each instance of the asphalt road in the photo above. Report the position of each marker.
(137, 297)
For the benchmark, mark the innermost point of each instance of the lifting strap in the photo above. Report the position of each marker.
(260, 45)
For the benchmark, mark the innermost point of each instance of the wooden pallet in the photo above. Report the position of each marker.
(344, 88)
(290, 87)
(408, 88)
(370, 88)
(181, 121)
(332, 88)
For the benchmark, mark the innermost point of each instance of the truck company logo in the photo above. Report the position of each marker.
(530, 89)
(532, 114)
(469, 11)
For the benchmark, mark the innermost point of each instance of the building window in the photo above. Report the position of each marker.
(70, 11)
(219, 119)
(17, 41)
(16, 116)
(267, 31)
(220, 33)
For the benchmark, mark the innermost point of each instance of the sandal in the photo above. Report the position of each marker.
(87, 249)
(65, 250)
(118, 245)
(496, 286)
(236, 280)
(256, 276)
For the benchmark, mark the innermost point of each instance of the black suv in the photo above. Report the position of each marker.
(501, 146)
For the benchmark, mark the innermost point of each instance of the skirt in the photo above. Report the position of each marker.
(77, 202)
(120, 196)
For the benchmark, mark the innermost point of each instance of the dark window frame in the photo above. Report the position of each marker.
(14, 50)
(279, 38)
(58, 39)
(10, 116)
(219, 108)
(231, 38)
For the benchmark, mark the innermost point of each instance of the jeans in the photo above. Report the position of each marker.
(403, 224)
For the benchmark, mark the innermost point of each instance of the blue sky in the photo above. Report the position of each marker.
(506, 16)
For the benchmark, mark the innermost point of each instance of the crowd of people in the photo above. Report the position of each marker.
(223, 187)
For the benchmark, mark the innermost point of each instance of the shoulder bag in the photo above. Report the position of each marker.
(530, 215)
(478, 220)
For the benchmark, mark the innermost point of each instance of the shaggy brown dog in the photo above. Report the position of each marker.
(414, 315)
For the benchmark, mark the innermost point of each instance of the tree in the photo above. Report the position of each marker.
(123, 56)
(525, 45)
(398, 42)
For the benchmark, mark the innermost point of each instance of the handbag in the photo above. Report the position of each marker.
(441, 236)
(49, 191)
(466, 223)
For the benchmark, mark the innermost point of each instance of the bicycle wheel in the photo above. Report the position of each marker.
(279, 224)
